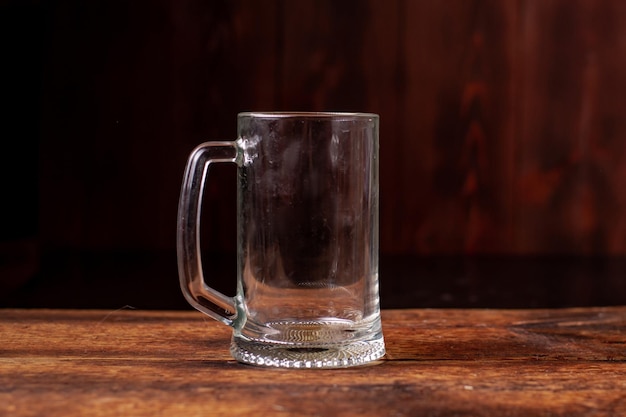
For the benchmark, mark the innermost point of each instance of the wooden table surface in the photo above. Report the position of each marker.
(569, 362)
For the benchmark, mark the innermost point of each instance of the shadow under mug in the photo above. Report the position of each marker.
(307, 239)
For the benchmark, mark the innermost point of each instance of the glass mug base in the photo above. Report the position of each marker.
(311, 344)
(320, 357)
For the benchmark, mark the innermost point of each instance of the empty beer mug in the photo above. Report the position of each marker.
(307, 239)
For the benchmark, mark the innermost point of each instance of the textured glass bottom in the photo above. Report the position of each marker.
(289, 356)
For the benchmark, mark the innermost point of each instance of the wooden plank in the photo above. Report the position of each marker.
(571, 127)
(455, 160)
(384, 70)
(439, 362)
(321, 60)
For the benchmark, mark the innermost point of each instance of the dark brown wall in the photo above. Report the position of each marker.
(503, 123)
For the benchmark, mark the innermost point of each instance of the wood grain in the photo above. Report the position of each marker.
(567, 171)
(500, 120)
(439, 363)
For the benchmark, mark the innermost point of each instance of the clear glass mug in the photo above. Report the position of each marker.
(307, 237)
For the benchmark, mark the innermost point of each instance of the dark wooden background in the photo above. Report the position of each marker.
(503, 139)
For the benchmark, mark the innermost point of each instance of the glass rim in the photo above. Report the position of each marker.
(308, 115)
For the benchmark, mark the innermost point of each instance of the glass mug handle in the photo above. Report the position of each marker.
(196, 291)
